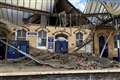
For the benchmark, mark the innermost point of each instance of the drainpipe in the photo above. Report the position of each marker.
(93, 42)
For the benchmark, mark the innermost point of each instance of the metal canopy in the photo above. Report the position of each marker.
(96, 11)
(112, 7)
(16, 11)
(95, 6)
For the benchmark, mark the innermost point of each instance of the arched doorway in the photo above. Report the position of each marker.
(61, 43)
(2, 45)
(102, 41)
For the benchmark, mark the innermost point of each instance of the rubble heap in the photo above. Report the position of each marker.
(71, 61)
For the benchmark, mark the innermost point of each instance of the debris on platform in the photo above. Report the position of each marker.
(71, 61)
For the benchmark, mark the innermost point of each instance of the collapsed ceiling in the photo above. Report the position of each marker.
(96, 12)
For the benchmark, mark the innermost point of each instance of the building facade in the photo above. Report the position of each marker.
(45, 38)
(57, 27)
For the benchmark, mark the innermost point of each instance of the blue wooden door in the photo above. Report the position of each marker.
(61, 46)
(23, 46)
(12, 53)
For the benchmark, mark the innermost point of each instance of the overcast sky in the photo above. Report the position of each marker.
(79, 4)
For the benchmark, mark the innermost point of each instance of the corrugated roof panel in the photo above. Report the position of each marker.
(16, 16)
(45, 5)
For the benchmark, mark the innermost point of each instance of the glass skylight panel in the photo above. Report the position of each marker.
(79, 4)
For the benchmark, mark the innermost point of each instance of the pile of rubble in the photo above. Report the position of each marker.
(71, 61)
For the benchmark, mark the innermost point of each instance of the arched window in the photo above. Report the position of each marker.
(42, 39)
(21, 35)
(79, 39)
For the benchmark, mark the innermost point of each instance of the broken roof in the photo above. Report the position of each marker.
(101, 11)
(96, 11)
(17, 10)
(112, 7)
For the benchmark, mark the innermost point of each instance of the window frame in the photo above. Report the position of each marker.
(79, 39)
(42, 47)
(16, 35)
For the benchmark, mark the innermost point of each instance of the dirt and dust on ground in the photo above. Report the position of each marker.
(68, 61)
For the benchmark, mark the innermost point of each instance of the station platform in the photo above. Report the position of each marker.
(43, 70)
